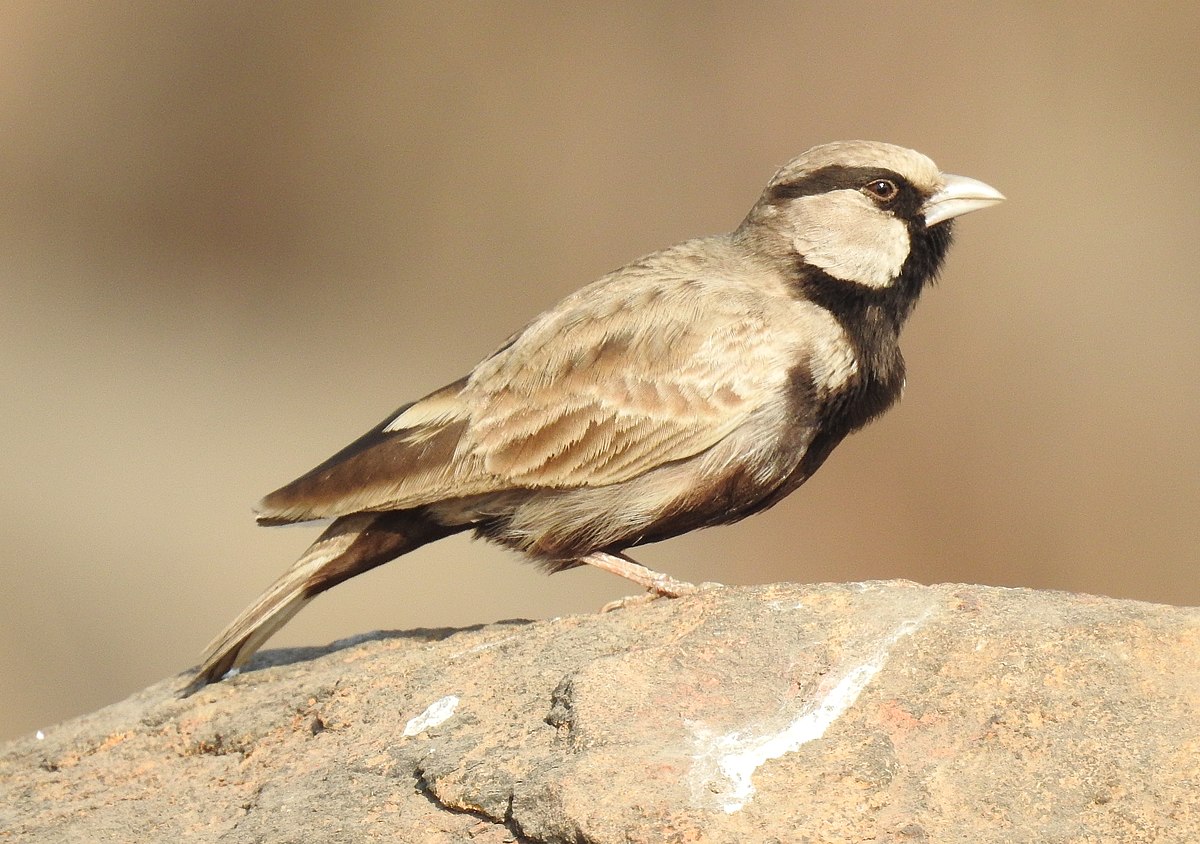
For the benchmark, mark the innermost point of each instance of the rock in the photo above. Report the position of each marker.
(882, 712)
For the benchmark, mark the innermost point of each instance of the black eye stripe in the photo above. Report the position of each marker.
(835, 177)
(906, 203)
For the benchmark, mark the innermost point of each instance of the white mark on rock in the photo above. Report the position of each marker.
(735, 756)
(39, 735)
(436, 713)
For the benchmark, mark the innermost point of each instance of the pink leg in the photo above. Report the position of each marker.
(657, 582)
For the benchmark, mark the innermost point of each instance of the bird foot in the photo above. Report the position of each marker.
(629, 601)
(671, 589)
(662, 585)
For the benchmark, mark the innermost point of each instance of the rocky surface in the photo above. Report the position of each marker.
(882, 712)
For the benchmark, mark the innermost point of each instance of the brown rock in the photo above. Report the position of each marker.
(882, 712)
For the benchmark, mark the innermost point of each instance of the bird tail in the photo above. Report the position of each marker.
(351, 545)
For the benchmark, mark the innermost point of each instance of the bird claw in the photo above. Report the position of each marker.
(669, 587)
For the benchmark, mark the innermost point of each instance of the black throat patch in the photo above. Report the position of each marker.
(872, 318)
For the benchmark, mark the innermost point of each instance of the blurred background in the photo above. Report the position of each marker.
(237, 235)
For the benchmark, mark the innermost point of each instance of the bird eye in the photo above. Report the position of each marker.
(881, 189)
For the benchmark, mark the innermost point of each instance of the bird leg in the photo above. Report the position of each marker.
(662, 585)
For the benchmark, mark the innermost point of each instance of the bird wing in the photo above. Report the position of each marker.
(598, 394)
(623, 376)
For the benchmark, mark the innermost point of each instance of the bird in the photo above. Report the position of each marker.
(692, 387)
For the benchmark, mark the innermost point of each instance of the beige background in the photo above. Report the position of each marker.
(235, 236)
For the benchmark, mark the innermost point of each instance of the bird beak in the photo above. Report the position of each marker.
(959, 195)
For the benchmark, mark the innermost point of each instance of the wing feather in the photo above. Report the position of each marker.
(596, 398)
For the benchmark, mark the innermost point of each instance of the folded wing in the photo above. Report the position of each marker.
(612, 383)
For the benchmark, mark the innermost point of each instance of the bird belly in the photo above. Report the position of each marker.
(731, 480)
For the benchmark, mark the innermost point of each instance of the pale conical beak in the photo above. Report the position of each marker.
(959, 196)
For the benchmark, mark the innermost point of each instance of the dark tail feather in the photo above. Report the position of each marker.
(351, 545)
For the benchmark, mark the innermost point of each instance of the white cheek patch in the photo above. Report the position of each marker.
(843, 233)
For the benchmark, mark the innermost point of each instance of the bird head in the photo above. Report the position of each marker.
(869, 214)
